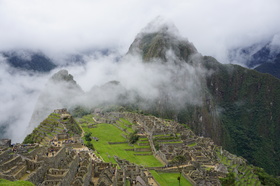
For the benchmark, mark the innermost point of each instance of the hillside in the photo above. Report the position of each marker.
(240, 106)
(145, 149)
(58, 123)
(236, 107)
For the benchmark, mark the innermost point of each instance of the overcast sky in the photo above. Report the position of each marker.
(59, 26)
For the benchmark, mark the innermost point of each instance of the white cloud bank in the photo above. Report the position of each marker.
(19, 92)
(57, 26)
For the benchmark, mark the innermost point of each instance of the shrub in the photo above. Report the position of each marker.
(89, 145)
(87, 136)
(133, 137)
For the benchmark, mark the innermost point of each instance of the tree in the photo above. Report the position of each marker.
(87, 136)
(89, 145)
(178, 161)
(133, 137)
(228, 180)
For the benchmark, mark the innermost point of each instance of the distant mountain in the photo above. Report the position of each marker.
(27, 60)
(263, 57)
(271, 67)
(39, 62)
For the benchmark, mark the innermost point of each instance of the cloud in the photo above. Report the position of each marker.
(128, 80)
(148, 80)
(19, 92)
(60, 26)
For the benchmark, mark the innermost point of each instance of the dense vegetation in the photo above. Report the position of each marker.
(265, 178)
(250, 116)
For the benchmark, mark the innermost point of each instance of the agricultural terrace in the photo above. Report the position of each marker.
(169, 179)
(247, 176)
(109, 133)
(4, 182)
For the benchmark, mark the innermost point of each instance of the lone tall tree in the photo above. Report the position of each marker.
(178, 161)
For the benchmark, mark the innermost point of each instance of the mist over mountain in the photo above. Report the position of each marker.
(164, 75)
(60, 91)
(165, 81)
(27, 60)
(159, 72)
(263, 57)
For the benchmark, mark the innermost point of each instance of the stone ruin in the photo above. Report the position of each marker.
(70, 163)
(47, 166)
(51, 165)
(169, 139)
(134, 174)
(5, 142)
(61, 111)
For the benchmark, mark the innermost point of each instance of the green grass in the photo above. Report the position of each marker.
(15, 183)
(169, 179)
(87, 120)
(125, 125)
(109, 133)
(192, 145)
(171, 142)
(125, 122)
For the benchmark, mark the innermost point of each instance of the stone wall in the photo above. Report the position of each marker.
(56, 174)
(7, 177)
(5, 142)
(142, 149)
(87, 177)
(22, 170)
(62, 136)
(71, 172)
(11, 163)
(189, 179)
(114, 143)
(51, 162)
(5, 156)
(38, 176)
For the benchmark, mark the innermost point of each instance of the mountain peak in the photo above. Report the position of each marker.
(160, 25)
(62, 75)
(159, 39)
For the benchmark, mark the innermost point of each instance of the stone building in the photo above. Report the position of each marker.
(5, 142)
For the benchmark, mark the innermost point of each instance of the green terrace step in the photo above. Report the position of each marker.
(144, 154)
(143, 139)
(58, 131)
